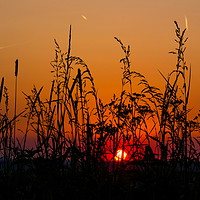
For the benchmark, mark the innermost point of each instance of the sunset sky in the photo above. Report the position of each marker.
(28, 29)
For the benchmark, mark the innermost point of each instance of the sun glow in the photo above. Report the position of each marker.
(120, 155)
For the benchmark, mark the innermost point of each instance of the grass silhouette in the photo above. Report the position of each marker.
(78, 136)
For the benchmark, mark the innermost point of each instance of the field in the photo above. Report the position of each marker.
(140, 145)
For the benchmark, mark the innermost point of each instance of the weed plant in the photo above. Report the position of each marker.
(78, 136)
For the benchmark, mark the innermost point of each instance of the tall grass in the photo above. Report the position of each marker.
(78, 136)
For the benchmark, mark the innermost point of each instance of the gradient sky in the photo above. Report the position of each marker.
(28, 28)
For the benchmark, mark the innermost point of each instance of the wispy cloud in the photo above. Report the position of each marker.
(186, 23)
(84, 17)
(13, 45)
(4, 47)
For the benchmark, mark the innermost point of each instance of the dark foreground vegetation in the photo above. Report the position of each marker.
(78, 136)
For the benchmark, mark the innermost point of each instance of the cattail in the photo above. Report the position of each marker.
(15, 106)
(1, 88)
(16, 67)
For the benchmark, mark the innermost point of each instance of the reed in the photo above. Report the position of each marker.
(1, 88)
(15, 102)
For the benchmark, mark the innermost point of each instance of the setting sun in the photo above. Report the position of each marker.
(120, 154)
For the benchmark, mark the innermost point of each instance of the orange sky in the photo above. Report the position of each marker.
(29, 27)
